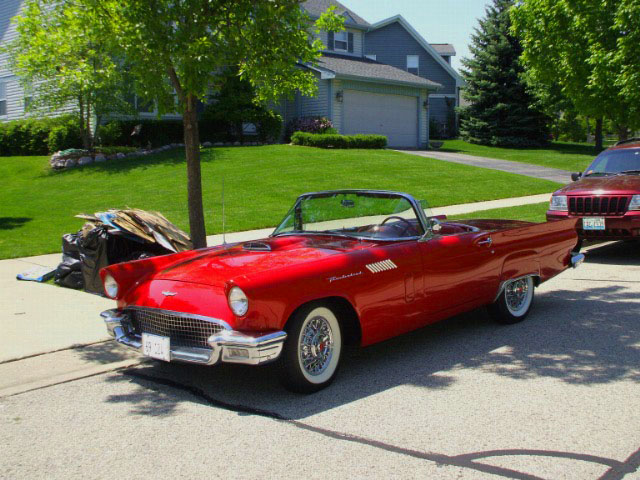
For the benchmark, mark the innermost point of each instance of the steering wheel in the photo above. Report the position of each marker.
(408, 226)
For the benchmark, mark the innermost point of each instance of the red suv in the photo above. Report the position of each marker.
(606, 196)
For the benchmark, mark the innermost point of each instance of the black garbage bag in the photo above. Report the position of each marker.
(93, 256)
(68, 273)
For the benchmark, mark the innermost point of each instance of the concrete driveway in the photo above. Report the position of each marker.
(555, 397)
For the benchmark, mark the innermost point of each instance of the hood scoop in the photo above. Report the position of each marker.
(256, 247)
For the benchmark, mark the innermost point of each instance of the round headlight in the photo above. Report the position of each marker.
(110, 286)
(238, 301)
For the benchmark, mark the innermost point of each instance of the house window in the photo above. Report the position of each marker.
(413, 62)
(340, 41)
(3, 99)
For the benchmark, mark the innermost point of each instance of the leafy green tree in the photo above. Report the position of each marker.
(590, 49)
(502, 112)
(177, 49)
(62, 61)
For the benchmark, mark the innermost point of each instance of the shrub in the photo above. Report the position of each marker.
(39, 136)
(319, 125)
(109, 134)
(338, 141)
(269, 125)
(62, 137)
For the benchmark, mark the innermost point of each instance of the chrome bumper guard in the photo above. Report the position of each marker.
(227, 346)
(577, 259)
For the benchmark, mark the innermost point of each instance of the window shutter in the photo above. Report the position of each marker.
(350, 42)
(330, 41)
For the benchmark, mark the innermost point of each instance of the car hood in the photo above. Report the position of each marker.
(219, 265)
(615, 184)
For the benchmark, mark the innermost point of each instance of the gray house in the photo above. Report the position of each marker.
(382, 78)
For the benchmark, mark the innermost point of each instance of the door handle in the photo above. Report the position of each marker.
(486, 242)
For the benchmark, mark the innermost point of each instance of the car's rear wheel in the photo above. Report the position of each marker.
(311, 353)
(514, 302)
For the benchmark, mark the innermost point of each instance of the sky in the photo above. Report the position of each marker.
(438, 21)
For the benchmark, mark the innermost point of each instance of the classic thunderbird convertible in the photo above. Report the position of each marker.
(343, 267)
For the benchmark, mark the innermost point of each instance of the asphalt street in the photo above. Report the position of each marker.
(554, 397)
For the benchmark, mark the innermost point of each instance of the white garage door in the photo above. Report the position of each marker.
(395, 116)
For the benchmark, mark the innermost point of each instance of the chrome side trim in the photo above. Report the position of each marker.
(503, 283)
(228, 346)
(577, 259)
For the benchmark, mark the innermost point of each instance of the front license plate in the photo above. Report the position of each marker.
(594, 223)
(155, 346)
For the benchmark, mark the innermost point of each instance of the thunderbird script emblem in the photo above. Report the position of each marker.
(167, 293)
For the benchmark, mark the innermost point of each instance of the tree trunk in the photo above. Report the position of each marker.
(599, 143)
(85, 136)
(623, 132)
(194, 176)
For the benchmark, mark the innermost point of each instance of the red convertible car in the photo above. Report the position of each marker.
(343, 267)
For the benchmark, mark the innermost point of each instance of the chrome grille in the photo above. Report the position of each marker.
(602, 205)
(183, 330)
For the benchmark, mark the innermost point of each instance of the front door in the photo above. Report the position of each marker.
(458, 270)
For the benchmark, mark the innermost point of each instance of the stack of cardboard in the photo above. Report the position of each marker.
(142, 226)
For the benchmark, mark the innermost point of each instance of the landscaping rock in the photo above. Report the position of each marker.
(219, 144)
(120, 155)
(70, 163)
(236, 144)
(100, 158)
(207, 144)
(85, 161)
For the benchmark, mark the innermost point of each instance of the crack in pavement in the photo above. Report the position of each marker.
(616, 471)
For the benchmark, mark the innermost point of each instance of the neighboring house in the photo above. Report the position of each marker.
(382, 79)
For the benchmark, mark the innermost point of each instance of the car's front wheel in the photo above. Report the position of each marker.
(311, 353)
(514, 302)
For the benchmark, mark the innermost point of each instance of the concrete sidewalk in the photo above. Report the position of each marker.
(529, 170)
(40, 318)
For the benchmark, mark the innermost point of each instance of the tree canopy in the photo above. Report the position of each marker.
(177, 48)
(589, 49)
(61, 59)
(502, 112)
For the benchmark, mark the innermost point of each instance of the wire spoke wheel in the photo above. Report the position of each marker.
(316, 345)
(514, 301)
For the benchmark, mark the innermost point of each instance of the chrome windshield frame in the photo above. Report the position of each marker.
(417, 208)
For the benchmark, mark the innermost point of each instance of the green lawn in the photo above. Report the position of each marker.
(38, 205)
(574, 157)
(530, 213)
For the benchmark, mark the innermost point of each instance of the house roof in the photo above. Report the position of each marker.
(364, 69)
(444, 48)
(315, 8)
(429, 48)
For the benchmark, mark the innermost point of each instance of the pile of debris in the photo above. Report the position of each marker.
(112, 237)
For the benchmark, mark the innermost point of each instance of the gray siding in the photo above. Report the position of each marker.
(317, 106)
(391, 45)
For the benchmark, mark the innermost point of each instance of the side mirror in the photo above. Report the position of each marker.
(576, 176)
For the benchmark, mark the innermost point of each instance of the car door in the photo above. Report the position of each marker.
(458, 270)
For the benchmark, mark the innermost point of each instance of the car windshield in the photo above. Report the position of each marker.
(610, 162)
(379, 215)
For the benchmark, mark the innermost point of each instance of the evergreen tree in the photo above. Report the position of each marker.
(502, 112)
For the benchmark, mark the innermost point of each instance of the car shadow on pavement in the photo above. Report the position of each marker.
(619, 253)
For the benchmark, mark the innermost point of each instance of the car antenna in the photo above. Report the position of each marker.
(224, 238)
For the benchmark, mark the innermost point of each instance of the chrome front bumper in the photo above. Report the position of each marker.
(227, 346)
